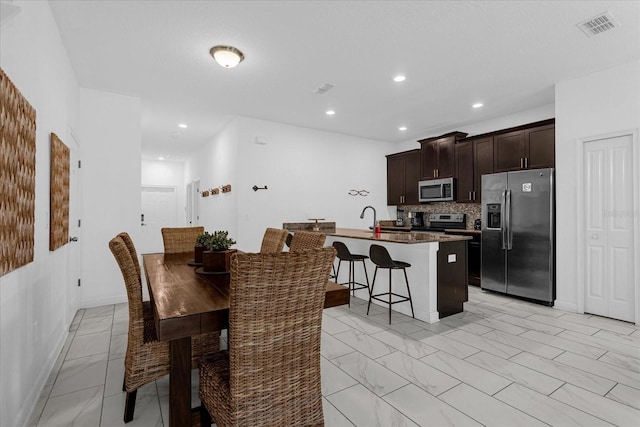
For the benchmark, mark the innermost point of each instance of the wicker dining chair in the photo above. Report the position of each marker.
(146, 358)
(273, 240)
(270, 376)
(180, 239)
(302, 240)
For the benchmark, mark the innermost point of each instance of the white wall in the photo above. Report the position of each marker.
(167, 174)
(110, 136)
(308, 174)
(216, 164)
(33, 299)
(593, 105)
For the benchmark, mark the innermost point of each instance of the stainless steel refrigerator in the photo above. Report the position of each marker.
(518, 234)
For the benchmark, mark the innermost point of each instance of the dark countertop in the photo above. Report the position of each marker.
(463, 232)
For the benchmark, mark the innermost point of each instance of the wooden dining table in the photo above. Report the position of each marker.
(187, 303)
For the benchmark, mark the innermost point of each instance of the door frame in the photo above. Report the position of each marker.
(75, 215)
(580, 220)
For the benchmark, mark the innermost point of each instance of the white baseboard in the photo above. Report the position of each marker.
(565, 306)
(97, 302)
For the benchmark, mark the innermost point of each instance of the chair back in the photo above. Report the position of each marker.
(303, 240)
(132, 250)
(342, 250)
(275, 319)
(133, 285)
(273, 240)
(380, 256)
(180, 239)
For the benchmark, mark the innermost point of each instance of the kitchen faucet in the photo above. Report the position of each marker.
(374, 215)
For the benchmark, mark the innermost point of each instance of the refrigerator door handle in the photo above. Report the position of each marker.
(507, 219)
(503, 225)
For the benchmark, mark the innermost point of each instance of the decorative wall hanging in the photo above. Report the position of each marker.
(205, 193)
(358, 193)
(256, 188)
(17, 177)
(226, 188)
(59, 195)
(215, 191)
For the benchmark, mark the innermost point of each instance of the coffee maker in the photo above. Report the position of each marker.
(399, 218)
(416, 219)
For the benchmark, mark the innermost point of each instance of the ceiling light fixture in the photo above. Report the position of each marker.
(330, 112)
(477, 105)
(402, 128)
(160, 158)
(182, 125)
(399, 78)
(227, 56)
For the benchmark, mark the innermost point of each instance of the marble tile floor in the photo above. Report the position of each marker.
(502, 362)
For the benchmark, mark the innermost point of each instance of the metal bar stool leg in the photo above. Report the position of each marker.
(406, 280)
(366, 276)
(372, 285)
(390, 295)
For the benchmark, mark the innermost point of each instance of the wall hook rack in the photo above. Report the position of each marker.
(256, 188)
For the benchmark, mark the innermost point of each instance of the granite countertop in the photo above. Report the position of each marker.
(402, 237)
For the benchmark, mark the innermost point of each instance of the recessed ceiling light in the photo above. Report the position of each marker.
(182, 125)
(402, 128)
(160, 158)
(477, 105)
(330, 112)
(399, 78)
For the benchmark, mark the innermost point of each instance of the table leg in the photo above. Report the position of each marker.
(180, 382)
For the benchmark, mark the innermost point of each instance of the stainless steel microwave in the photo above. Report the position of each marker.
(436, 190)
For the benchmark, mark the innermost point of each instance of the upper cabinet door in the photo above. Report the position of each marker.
(446, 157)
(429, 156)
(464, 171)
(412, 177)
(509, 151)
(395, 179)
(542, 146)
(483, 163)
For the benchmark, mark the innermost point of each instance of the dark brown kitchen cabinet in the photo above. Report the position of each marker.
(403, 174)
(438, 155)
(542, 147)
(528, 148)
(473, 158)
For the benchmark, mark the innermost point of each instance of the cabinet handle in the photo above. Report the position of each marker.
(474, 195)
(470, 197)
(526, 162)
(521, 163)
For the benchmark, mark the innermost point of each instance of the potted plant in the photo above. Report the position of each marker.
(199, 247)
(217, 254)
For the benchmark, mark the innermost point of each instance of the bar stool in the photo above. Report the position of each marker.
(381, 258)
(343, 254)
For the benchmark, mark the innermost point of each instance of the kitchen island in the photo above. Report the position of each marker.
(437, 276)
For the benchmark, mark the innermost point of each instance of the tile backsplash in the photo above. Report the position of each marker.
(472, 210)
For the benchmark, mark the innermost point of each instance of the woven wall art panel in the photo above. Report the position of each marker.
(59, 196)
(17, 177)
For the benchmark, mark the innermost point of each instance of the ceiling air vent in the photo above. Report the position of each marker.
(324, 88)
(598, 24)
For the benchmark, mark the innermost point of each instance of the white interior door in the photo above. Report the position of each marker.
(75, 240)
(158, 210)
(609, 228)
